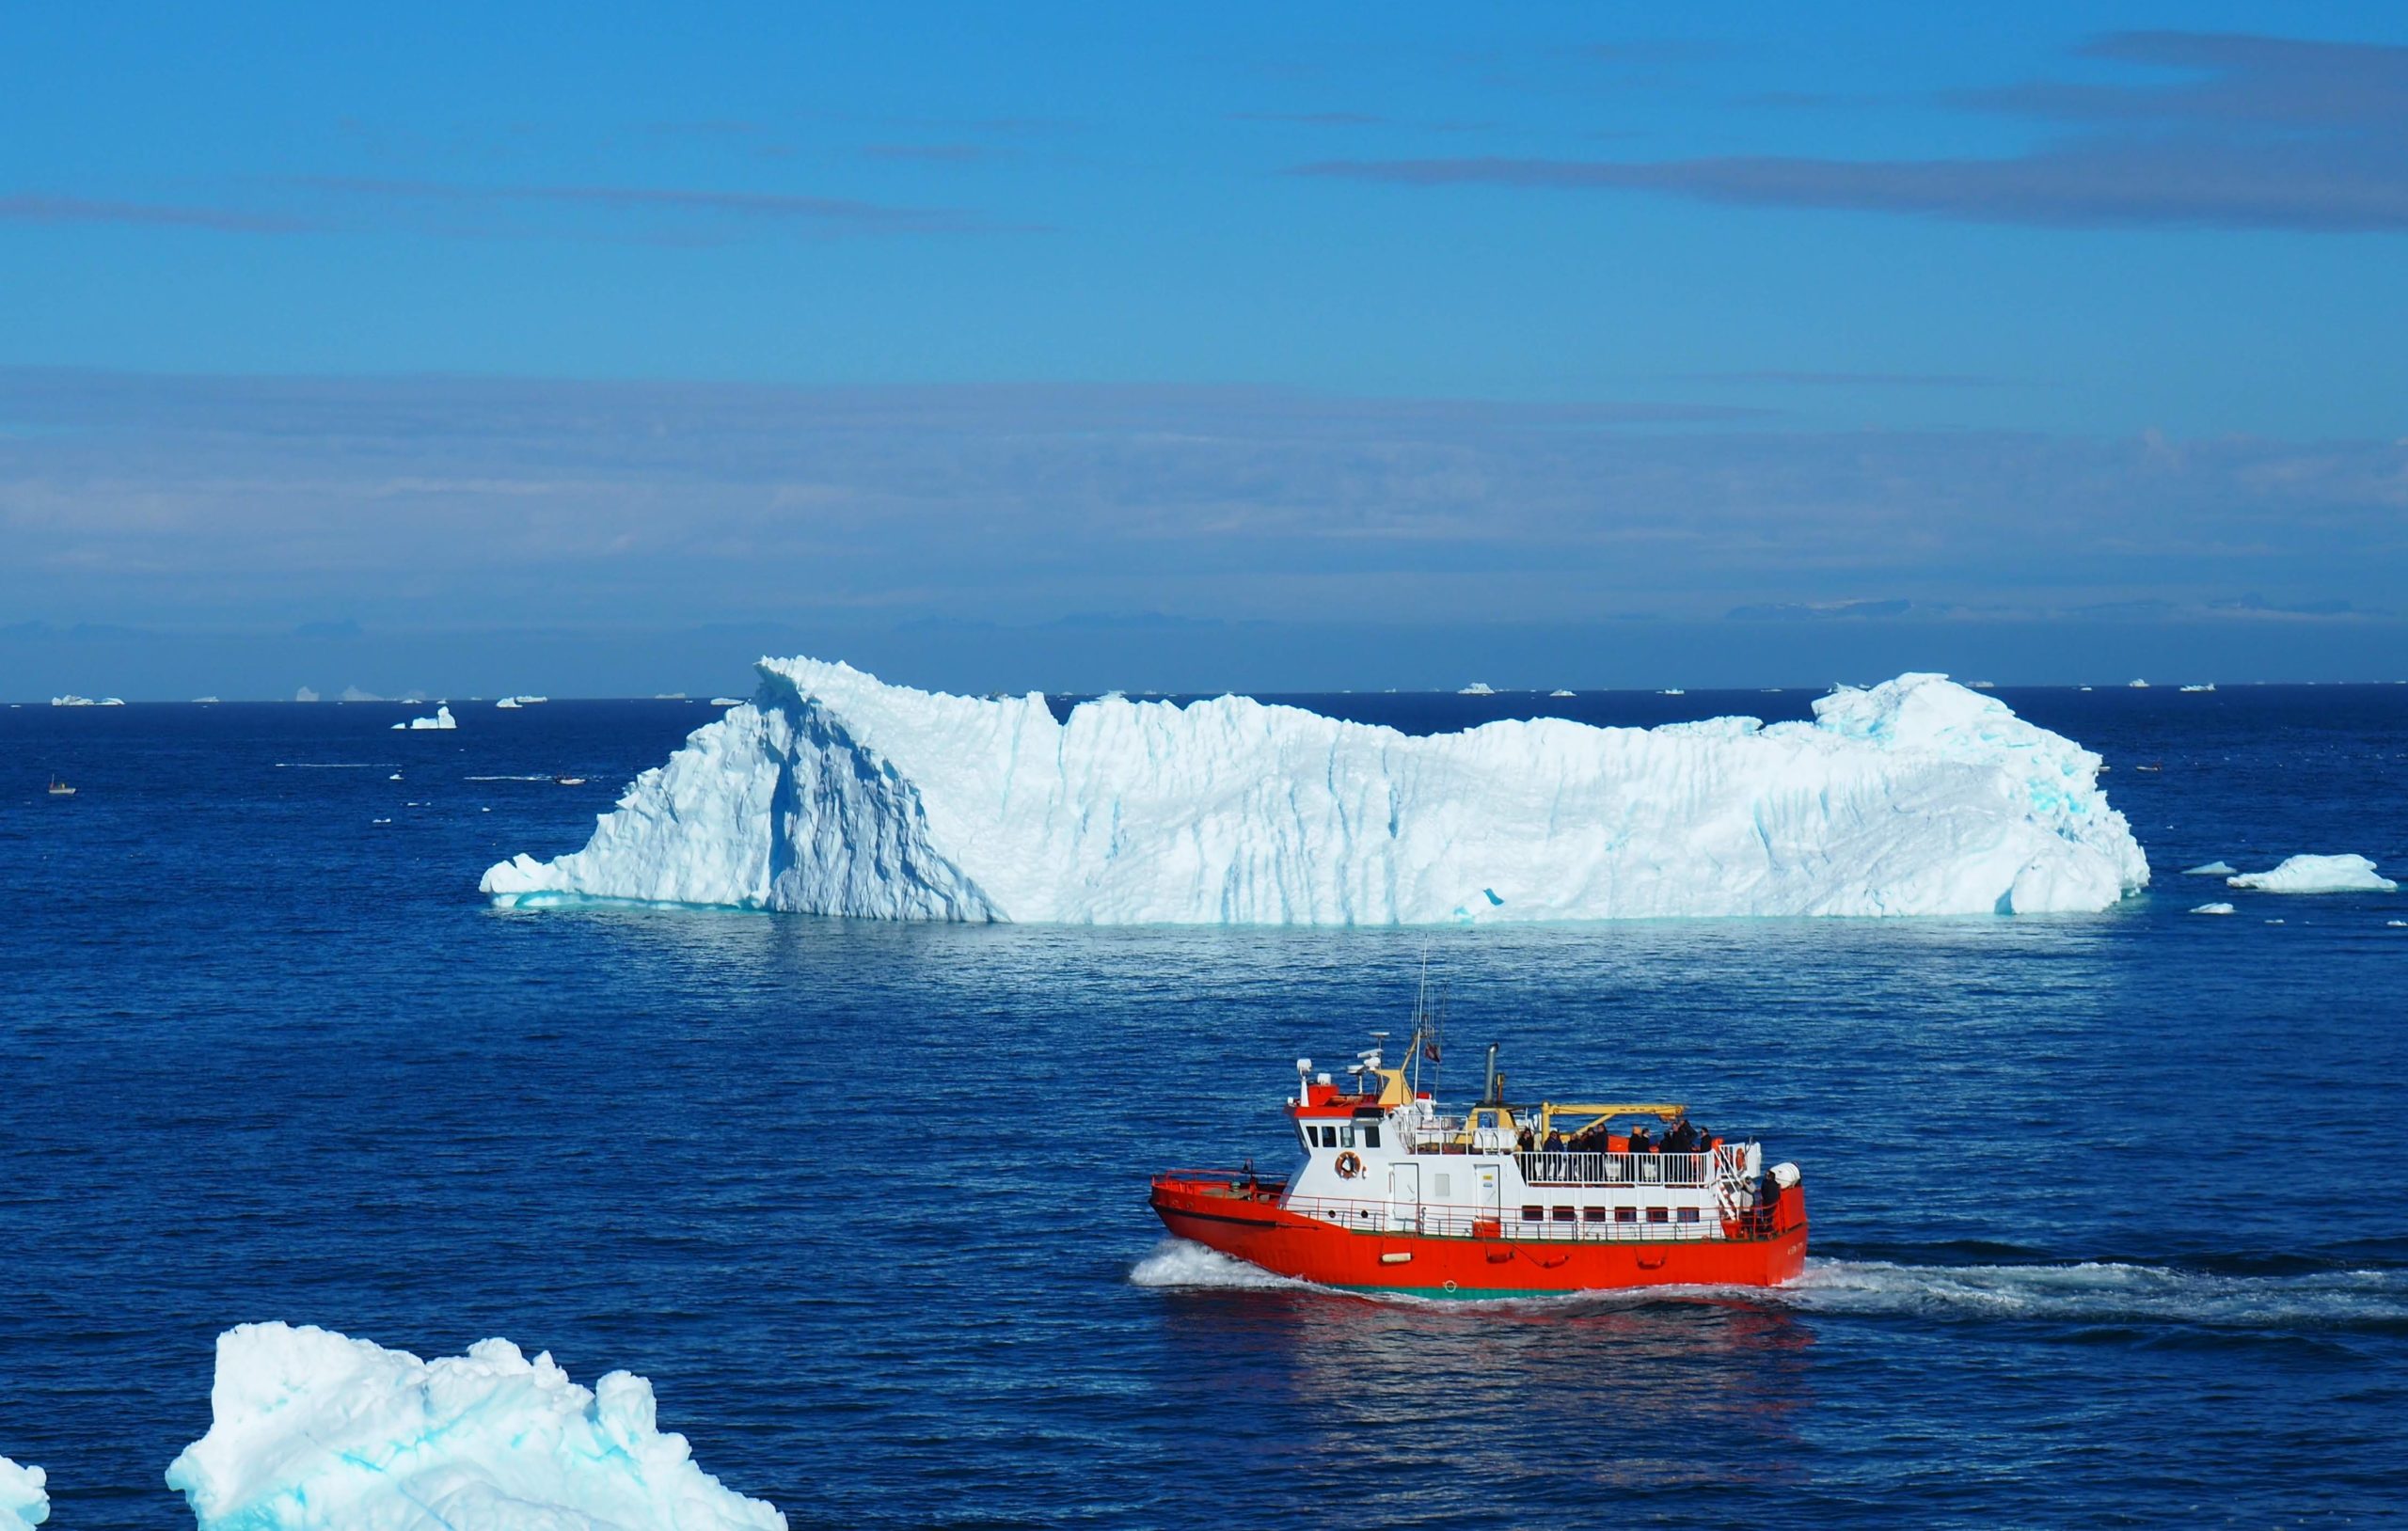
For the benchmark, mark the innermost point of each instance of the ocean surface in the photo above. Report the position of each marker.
(2109, 1217)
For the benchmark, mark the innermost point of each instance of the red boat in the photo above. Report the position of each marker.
(1395, 1195)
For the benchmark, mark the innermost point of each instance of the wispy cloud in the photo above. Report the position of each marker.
(2266, 132)
(827, 213)
(668, 502)
(1776, 378)
(320, 204)
(66, 209)
(1312, 120)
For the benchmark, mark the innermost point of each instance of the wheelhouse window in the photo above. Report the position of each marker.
(1346, 1137)
(1371, 1131)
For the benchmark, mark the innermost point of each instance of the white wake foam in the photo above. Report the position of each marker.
(1181, 1263)
(2101, 1291)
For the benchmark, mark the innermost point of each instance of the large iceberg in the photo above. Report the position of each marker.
(2318, 874)
(834, 794)
(25, 1496)
(313, 1431)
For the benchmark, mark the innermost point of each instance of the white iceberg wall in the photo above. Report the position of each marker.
(25, 1496)
(2318, 874)
(831, 793)
(313, 1431)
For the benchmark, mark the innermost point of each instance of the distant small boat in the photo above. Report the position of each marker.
(60, 789)
(569, 781)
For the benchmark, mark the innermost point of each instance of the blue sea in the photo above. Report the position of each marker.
(2109, 1220)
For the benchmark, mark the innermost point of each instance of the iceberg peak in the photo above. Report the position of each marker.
(834, 793)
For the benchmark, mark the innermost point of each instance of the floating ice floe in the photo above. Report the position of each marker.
(2213, 909)
(2318, 874)
(25, 1496)
(727, 702)
(1561, 693)
(442, 718)
(2210, 869)
(2137, 686)
(310, 1430)
(834, 793)
(71, 700)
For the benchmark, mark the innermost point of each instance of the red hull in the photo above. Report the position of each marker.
(1250, 1224)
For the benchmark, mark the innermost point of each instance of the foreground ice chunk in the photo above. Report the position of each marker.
(2318, 874)
(25, 1497)
(832, 794)
(312, 1432)
(2213, 909)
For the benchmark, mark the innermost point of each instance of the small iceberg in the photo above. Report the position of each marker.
(310, 1430)
(738, 702)
(442, 718)
(1478, 688)
(2318, 874)
(2213, 909)
(25, 1496)
(1560, 693)
(2137, 686)
(2209, 687)
(508, 704)
(2212, 869)
(1671, 691)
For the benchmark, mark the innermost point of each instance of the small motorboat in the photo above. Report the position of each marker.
(58, 788)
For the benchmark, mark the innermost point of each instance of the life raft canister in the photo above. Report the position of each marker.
(1349, 1166)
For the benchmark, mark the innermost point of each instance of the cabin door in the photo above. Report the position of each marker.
(1489, 1201)
(1404, 1196)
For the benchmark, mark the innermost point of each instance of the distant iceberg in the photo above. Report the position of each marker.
(25, 1496)
(1478, 688)
(2318, 874)
(2211, 869)
(507, 704)
(71, 700)
(441, 719)
(834, 794)
(313, 1431)
(1561, 693)
(2213, 909)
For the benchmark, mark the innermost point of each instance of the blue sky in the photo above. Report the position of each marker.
(1563, 338)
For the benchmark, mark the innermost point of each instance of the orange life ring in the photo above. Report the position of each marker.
(1349, 1166)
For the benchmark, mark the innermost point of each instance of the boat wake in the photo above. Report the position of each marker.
(2105, 1292)
(1179, 1264)
(2086, 1292)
